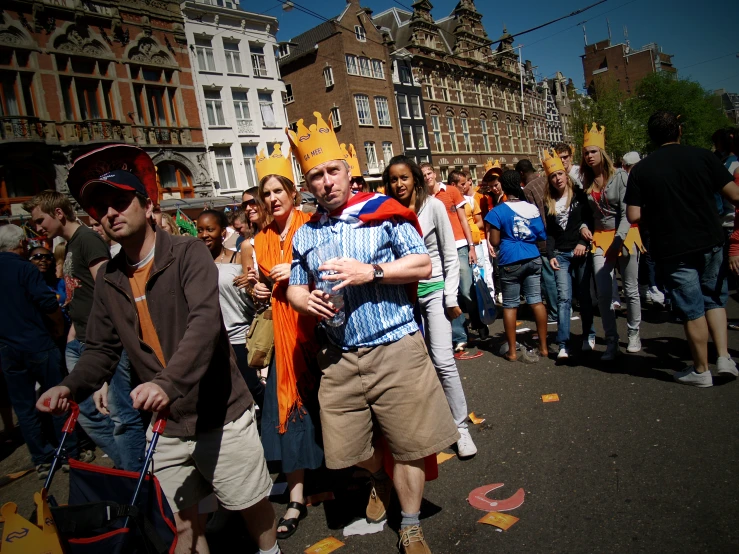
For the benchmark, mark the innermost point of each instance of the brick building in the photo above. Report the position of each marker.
(238, 89)
(478, 106)
(621, 63)
(342, 67)
(77, 75)
(411, 110)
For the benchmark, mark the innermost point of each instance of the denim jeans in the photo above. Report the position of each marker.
(22, 370)
(121, 435)
(575, 270)
(439, 344)
(524, 275)
(549, 288)
(467, 298)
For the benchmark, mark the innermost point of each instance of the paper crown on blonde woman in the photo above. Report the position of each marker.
(350, 155)
(595, 137)
(276, 164)
(552, 163)
(314, 145)
(491, 168)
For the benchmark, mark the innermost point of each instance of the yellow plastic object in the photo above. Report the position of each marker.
(20, 536)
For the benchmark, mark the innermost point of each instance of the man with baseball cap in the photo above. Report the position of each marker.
(158, 299)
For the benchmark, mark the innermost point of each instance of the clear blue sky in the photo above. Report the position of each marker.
(692, 32)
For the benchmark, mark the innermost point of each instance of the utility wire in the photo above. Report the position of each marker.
(706, 61)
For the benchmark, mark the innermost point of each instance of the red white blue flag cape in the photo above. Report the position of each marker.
(366, 207)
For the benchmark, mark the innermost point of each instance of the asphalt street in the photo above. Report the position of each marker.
(625, 461)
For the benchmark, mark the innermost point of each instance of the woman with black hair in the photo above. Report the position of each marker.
(437, 296)
(516, 226)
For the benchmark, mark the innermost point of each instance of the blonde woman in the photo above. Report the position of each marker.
(169, 225)
(615, 241)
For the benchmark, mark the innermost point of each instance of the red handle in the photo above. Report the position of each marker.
(161, 422)
(71, 422)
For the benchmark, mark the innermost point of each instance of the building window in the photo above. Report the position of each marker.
(377, 70)
(94, 97)
(284, 50)
(444, 174)
(328, 76)
(204, 53)
(408, 137)
(258, 63)
(363, 109)
(421, 136)
(267, 110)
(416, 107)
(458, 88)
(360, 34)
(155, 105)
(369, 150)
(485, 137)
(287, 96)
(466, 135)
(387, 151)
(383, 111)
(365, 70)
(244, 123)
(406, 75)
(510, 135)
(403, 105)
(444, 89)
(214, 107)
(233, 58)
(496, 132)
(225, 168)
(452, 133)
(174, 181)
(351, 65)
(250, 156)
(436, 126)
(478, 94)
(473, 173)
(336, 117)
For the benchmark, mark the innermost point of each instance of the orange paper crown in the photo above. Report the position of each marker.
(491, 167)
(276, 164)
(315, 145)
(552, 163)
(594, 137)
(350, 155)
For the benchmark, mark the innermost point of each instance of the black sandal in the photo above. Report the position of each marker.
(292, 523)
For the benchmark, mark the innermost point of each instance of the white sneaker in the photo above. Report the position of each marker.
(563, 354)
(726, 366)
(611, 351)
(465, 446)
(499, 298)
(634, 341)
(460, 347)
(691, 377)
(588, 345)
(616, 305)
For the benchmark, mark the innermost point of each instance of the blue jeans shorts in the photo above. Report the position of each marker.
(513, 277)
(698, 282)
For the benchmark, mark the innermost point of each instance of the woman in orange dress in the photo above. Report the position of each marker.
(290, 426)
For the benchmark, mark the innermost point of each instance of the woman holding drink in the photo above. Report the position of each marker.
(290, 429)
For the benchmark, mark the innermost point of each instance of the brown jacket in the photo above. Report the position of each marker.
(201, 376)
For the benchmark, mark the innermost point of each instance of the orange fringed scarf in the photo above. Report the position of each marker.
(294, 333)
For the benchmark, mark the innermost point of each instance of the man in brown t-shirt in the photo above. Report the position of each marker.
(160, 302)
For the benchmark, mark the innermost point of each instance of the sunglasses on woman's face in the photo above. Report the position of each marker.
(250, 202)
(47, 257)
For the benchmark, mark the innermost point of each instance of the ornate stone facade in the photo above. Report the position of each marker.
(78, 75)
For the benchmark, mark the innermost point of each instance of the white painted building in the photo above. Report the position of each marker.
(239, 90)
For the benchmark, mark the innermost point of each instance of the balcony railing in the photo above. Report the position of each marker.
(245, 127)
(16, 127)
(95, 130)
(163, 135)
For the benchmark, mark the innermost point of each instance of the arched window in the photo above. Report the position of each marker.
(174, 181)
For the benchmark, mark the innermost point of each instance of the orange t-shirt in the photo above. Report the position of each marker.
(452, 199)
(138, 278)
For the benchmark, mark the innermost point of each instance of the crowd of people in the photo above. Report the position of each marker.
(274, 335)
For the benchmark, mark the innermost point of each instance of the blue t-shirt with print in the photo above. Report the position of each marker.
(520, 227)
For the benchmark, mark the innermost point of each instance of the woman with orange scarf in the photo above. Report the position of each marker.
(290, 429)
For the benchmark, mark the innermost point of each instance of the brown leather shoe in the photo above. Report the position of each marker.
(379, 500)
(412, 541)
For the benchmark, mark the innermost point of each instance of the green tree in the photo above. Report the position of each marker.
(697, 109)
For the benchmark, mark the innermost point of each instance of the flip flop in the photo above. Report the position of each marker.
(292, 523)
(466, 355)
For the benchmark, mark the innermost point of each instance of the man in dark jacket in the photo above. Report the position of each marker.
(158, 299)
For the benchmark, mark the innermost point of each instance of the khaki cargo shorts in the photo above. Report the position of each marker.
(228, 462)
(394, 386)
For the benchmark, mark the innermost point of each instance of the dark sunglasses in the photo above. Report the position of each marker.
(251, 202)
(42, 257)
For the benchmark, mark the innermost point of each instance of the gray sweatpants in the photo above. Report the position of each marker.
(604, 276)
(438, 330)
